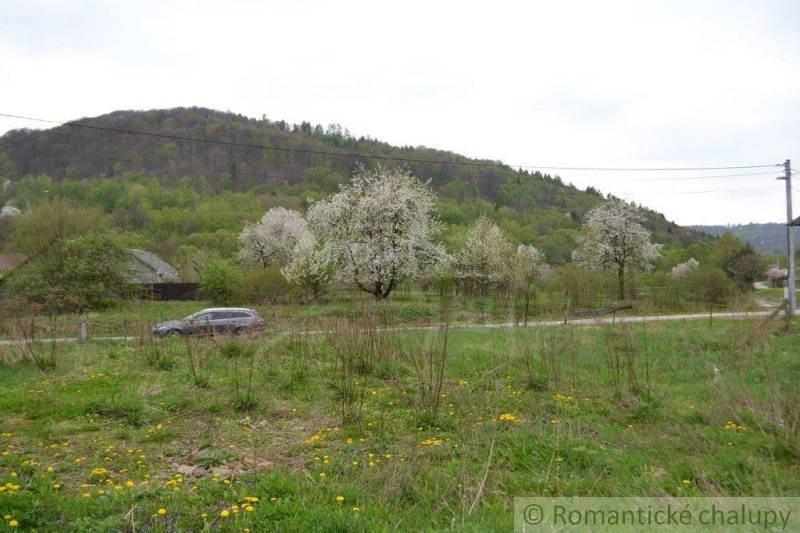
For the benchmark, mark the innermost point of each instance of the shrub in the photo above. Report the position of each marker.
(268, 285)
(222, 282)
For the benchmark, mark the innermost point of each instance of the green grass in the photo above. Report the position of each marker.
(712, 411)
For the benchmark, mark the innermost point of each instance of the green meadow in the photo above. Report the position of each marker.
(357, 429)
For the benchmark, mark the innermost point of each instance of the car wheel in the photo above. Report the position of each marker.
(241, 330)
(173, 333)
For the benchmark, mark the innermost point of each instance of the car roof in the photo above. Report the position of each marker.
(227, 309)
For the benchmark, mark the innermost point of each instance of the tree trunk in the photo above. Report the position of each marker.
(527, 306)
(621, 274)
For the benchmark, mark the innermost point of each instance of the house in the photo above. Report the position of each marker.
(795, 222)
(11, 261)
(147, 268)
(158, 279)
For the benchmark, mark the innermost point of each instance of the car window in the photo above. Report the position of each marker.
(221, 315)
(240, 314)
(202, 317)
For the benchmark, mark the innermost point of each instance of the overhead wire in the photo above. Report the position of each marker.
(376, 157)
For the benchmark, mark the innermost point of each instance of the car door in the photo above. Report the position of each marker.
(201, 324)
(221, 322)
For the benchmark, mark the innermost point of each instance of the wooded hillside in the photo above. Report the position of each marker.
(192, 176)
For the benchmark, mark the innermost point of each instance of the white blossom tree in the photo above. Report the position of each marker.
(273, 240)
(527, 266)
(776, 276)
(309, 268)
(483, 260)
(379, 229)
(682, 269)
(617, 241)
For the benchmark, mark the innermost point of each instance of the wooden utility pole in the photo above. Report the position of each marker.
(792, 296)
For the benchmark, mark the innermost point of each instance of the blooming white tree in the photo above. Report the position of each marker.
(527, 266)
(682, 269)
(273, 240)
(379, 229)
(776, 276)
(483, 260)
(310, 268)
(617, 241)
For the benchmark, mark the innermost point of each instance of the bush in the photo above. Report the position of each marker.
(88, 272)
(222, 282)
(710, 284)
(268, 285)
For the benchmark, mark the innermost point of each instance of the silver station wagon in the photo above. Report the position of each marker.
(213, 321)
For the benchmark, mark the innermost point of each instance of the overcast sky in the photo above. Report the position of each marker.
(610, 84)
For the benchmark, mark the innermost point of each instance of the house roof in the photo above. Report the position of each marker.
(795, 222)
(156, 269)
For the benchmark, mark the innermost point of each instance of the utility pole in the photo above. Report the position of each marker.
(792, 296)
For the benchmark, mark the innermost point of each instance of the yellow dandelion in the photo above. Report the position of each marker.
(340, 499)
(225, 513)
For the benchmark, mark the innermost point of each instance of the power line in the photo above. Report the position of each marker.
(133, 162)
(537, 194)
(721, 190)
(687, 177)
(373, 157)
(244, 173)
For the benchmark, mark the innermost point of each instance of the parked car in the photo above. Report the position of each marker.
(214, 321)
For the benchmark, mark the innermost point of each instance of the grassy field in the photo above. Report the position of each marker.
(355, 430)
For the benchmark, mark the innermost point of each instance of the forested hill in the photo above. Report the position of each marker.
(767, 238)
(257, 163)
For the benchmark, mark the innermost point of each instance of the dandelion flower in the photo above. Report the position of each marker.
(13, 523)
(225, 513)
(356, 509)
(340, 499)
(686, 482)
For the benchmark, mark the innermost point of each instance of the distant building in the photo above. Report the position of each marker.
(158, 279)
(11, 261)
(147, 268)
(795, 222)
